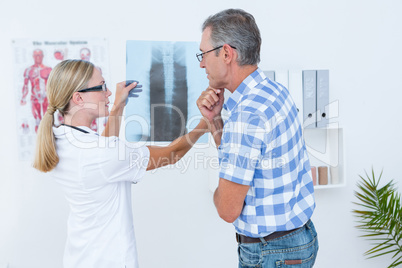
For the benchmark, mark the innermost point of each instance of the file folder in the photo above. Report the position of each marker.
(296, 91)
(309, 99)
(322, 98)
(270, 75)
(282, 78)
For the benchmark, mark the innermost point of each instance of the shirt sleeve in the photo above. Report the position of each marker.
(241, 147)
(113, 161)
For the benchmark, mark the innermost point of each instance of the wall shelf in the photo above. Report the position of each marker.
(325, 149)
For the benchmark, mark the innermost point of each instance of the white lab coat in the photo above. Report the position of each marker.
(96, 174)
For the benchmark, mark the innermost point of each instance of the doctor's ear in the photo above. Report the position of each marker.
(77, 98)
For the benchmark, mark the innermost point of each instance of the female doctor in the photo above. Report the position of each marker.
(96, 172)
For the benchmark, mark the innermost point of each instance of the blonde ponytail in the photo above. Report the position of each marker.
(66, 78)
(46, 157)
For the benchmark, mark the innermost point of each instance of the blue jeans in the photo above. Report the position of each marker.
(295, 250)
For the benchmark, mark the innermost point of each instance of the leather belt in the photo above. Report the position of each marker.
(245, 239)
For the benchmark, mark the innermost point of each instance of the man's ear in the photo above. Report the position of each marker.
(228, 53)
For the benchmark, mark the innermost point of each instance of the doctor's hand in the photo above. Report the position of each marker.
(210, 103)
(134, 91)
(123, 91)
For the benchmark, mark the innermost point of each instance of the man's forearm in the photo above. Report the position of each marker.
(216, 130)
(216, 198)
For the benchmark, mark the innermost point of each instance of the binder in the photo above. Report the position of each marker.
(322, 98)
(296, 90)
(282, 78)
(270, 75)
(309, 99)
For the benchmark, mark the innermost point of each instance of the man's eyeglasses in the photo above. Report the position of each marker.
(200, 56)
(96, 88)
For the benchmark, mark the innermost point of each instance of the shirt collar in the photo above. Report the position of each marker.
(243, 89)
(63, 130)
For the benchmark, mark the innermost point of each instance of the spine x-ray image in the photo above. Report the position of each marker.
(172, 82)
(168, 92)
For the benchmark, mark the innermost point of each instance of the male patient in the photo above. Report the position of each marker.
(265, 186)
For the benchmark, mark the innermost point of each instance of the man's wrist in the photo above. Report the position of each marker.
(215, 118)
(217, 122)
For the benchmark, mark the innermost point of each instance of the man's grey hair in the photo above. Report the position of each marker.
(238, 29)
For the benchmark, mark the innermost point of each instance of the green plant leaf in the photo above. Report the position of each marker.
(380, 217)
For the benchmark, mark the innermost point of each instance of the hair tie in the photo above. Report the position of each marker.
(51, 109)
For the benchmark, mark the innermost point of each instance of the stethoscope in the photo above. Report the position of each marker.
(76, 128)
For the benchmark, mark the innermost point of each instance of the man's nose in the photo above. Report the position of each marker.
(202, 65)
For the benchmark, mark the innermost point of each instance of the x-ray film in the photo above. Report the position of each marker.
(172, 81)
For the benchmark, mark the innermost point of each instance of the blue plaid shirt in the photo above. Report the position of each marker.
(262, 146)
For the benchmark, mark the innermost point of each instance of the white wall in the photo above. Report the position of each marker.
(176, 224)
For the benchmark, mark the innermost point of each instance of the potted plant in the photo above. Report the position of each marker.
(380, 217)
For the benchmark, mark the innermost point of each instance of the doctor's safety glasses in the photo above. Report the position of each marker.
(97, 88)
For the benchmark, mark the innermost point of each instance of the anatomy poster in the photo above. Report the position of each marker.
(34, 59)
(172, 81)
